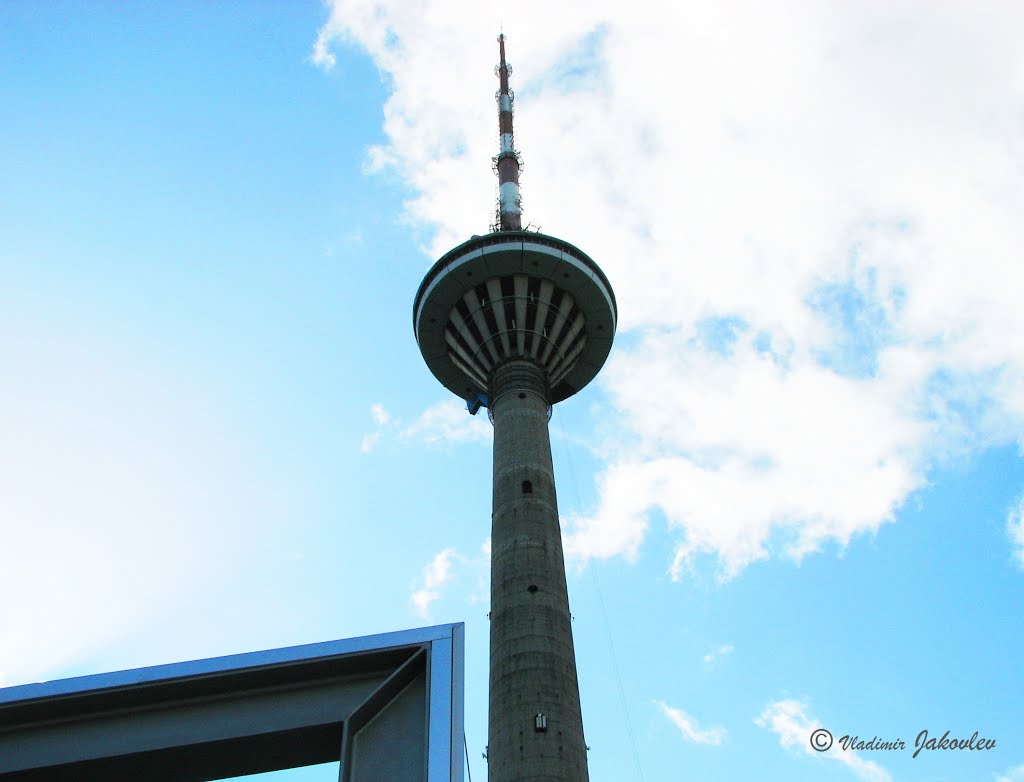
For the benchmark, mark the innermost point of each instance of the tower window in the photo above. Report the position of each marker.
(527, 487)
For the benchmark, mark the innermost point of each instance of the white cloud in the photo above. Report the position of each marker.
(481, 567)
(715, 654)
(789, 721)
(440, 572)
(733, 449)
(449, 422)
(321, 56)
(436, 574)
(383, 419)
(813, 245)
(1015, 529)
(1012, 775)
(688, 726)
(380, 415)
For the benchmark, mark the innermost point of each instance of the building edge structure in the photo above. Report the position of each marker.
(516, 321)
(387, 706)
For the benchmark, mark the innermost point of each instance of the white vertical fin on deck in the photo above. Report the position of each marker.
(467, 335)
(556, 328)
(521, 287)
(543, 301)
(498, 308)
(477, 311)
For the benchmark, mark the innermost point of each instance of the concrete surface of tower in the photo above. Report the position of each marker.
(516, 321)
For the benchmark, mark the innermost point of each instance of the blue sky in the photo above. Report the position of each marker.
(792, 499)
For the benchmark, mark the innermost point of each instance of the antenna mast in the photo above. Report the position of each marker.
(507, 163)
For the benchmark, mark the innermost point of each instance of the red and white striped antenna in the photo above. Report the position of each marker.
(507, 162)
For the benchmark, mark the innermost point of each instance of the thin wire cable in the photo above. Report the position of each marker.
(465, 748)
(618, 676)
(604, 613)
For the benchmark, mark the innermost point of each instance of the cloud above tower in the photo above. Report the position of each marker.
(813, 245)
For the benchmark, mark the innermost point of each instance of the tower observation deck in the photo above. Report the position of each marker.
(516, 321)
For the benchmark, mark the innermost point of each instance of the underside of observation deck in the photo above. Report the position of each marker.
(515, 295)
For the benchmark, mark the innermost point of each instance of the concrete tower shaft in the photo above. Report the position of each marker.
(535, 729)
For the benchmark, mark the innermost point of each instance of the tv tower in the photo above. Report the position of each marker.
(516, 321)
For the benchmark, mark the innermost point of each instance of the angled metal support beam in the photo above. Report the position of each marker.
(384, 705)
